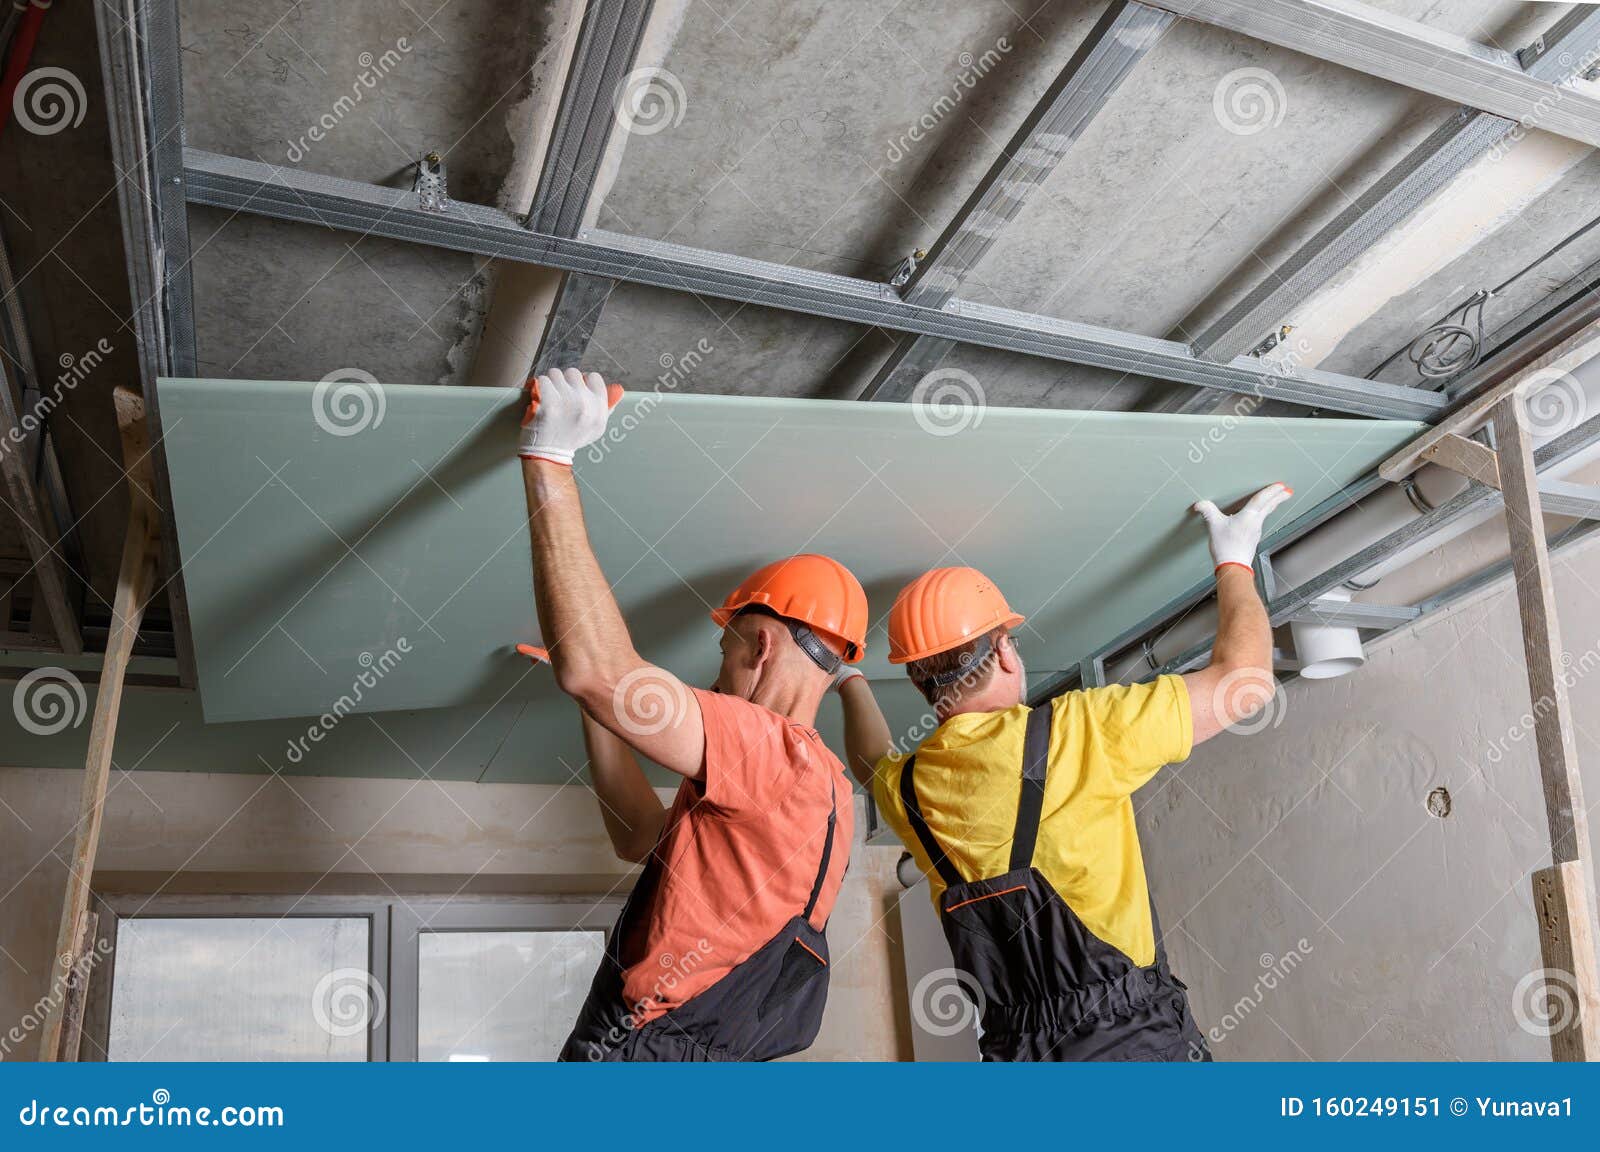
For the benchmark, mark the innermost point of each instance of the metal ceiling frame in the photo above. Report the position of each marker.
(1108, 55)
(311, 198)
(604, 55)
(1462, 140)
(1412, 55)
(1480, 76)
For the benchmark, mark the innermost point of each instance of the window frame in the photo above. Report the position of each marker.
(394, 928)
(533, 914)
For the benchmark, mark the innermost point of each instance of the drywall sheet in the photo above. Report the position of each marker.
(365, 549)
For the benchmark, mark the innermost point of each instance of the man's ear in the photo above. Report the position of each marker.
(1006, 653)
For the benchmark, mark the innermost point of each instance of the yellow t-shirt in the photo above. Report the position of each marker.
(1105, 744)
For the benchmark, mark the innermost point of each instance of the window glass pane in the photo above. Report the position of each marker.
(241, 988)
(501, 995)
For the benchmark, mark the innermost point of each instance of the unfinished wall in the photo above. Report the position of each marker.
(185, 832)
(1416, 928)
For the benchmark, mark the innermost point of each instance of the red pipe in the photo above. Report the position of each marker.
(21, 54)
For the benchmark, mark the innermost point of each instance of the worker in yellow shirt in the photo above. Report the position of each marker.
(1022, 819)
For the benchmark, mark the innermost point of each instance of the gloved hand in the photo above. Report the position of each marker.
(845, 672)
(1234, 539)
(567, 410)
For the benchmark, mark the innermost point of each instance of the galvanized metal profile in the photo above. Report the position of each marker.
(1564, 498)
(1476, 498)
(572, 321)
(289, 194)
(1347, 614)
(1465, 138)
(154, 24)
(1108, 54)
(158, 275)
(608, 42)
(1411, 54)
(604, 55)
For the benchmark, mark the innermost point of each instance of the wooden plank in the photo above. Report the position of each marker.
(1566, 942)
(1552, 721)
(135, 581)
(1577, 349)
(75, 988)
(1473, 460)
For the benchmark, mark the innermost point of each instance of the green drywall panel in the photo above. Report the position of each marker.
(320, 546)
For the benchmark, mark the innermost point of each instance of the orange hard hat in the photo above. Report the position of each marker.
(944, 609)
(817, 591)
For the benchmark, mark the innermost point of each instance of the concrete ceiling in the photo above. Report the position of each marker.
(794, 145)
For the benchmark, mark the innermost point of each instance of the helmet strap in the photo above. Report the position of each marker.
(805, 639)
(977, 656)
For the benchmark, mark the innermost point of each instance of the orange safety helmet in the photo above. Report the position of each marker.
(814, 590)
(944, 609)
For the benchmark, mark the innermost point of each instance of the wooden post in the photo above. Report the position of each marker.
(135, 582)
(75, 989)
(1564, 893)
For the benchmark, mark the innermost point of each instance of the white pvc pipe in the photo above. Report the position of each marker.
(1326, 652)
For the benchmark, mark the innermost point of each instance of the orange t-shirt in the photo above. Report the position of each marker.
(739, 853)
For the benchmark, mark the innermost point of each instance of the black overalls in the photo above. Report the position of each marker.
(768, 1006)
(1050, 989)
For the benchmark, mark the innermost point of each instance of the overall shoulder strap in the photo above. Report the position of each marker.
(827, 850)
(908, 797)
(1035, 766)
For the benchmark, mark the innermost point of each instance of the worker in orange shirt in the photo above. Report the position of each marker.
(720, 952)
(1022, 818)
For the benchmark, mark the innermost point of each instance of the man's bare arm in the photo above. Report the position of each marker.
(866, 733)
(633, 813)
(592, 654)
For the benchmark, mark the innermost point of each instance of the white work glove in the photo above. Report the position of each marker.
(846, 672)
(1235, 539)
(567, 410)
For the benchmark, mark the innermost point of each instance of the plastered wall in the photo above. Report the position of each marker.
(184, 832)
(1314, 904)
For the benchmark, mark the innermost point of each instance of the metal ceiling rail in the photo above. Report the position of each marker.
(1466, 137)
(289, 194)
(1408, 53)
(608, 41)
(605, 53)
(1110, 52)
(139, 41)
